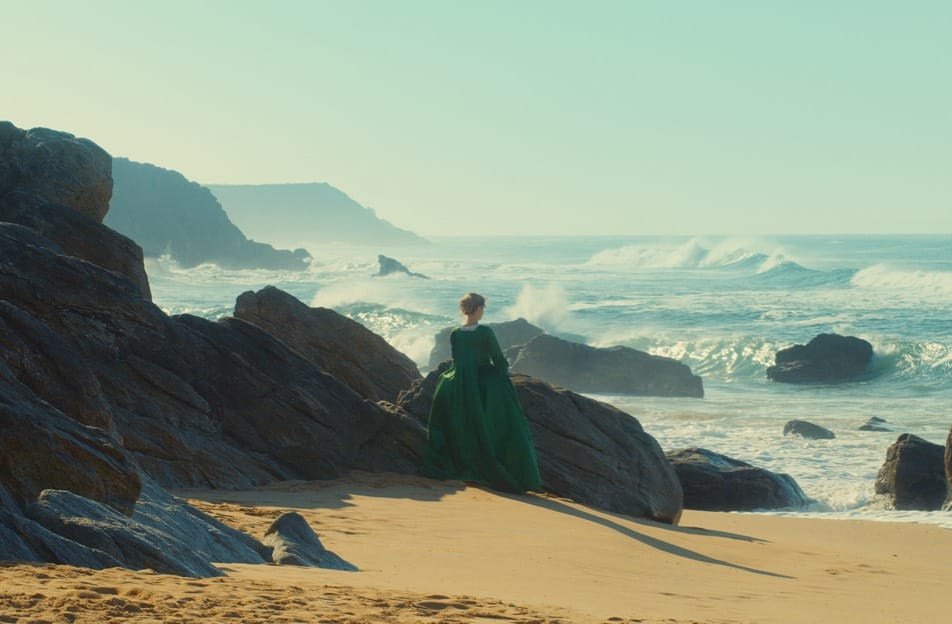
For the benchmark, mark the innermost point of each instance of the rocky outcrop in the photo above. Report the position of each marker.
(615, 370)
(828, 358)
(168, 214)
(196, 403)
(808, 430)
(295, 543)
(164, 534)
(43, 448)
(510, 334)
(913, 475)
(338, 345)
(874, 423)
(715, 482)
(390, 266)
(60, 186)
(587, 450)
(97, 384)
(948, 472)
(56, 167)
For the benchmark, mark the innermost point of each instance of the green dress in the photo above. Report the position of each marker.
(477, 429)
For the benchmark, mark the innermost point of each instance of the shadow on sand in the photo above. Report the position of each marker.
(556, 505)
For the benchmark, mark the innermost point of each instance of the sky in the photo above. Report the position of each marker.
(519, 117)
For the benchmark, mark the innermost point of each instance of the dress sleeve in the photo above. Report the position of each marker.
(453, 345)
(495, 352)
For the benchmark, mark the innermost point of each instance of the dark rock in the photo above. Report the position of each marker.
(808, 430)
(389, 266)
(509, 334)
(715, 482)
(295, 543)
(57, 167)
(197, 403)
(134, 545)
(43, 448)
(827, 358)
(167, 214)
(22, 539)
(338, 345)
(913, 475)
(211, 539)
(588, 451)
(618, 370)
(874, 424)
(948, 471)
(78, 235)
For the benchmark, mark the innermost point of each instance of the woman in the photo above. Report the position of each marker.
(477, 430)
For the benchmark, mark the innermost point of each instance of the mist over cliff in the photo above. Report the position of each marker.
(299, 214)
(166, 213)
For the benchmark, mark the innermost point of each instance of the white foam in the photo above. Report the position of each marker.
(546, 307)
(913, 284)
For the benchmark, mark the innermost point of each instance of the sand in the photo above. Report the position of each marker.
(443, 552)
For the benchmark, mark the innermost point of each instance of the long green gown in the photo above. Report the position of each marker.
(477, 430)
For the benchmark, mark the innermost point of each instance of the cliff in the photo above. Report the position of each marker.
(294, 214)
(166, 213)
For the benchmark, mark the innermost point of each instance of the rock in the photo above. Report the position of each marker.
(808, 430)
(168, 214)
(43, 448)
(948, 472)
(913, 475)
(588, 451)
(338, 345)
(828, 358)
(197, 403)
(211, 539)
(22, 539)
(874, 424)
(295, 543)
(509, 334)
(389, 266)
(616, 370)
(715, 482)
(134, 545)
(77, 235)
(57, 167)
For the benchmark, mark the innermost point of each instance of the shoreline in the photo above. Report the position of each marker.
(431, 551)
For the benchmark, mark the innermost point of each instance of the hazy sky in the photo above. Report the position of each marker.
(509, 117)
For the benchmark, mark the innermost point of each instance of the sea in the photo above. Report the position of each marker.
(722, 305)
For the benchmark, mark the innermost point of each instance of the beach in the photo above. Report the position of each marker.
(432, 551)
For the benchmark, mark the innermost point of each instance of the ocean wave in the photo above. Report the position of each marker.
(917, 284)
(693, 254)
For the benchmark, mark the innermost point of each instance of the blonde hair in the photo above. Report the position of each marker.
(470, 302)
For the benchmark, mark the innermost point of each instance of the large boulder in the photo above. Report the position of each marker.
(77, 235)
(294, 542)
(806, 429)
(509, 334)
(828, 358)
(57, 167)
(588, 451)
(913, 475)
(715, 482)
(390, 266)
(338, 345)
(196, 402)
(614, 370)
(133, 544)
